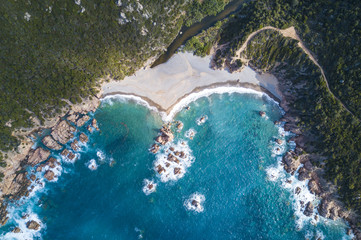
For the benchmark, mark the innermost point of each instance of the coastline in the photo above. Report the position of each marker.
(260, 83)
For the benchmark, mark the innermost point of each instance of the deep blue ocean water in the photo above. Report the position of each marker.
(235, 168)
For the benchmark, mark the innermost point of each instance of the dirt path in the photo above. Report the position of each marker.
(291, 33)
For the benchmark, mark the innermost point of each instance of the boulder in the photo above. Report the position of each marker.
(49, 175)
(291, 162)
(262, 113)
(314, 187)
(180, 126)
(33, 225)
(83, 138)
(160, 169)
(95, 124)
(309, 209)
(81, 121)
(16, 230)
(37, 156)
(154, 148)
(279, 141)
(195, 203)
(51, 143)
(75, 145)
(62, 132)
(65, 153)
(297, 190)
(177, 170)
(303, 174)
(72, 156)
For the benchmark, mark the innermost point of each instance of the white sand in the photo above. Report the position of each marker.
(167, 83)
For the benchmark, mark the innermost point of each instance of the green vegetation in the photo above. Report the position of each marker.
(202, 8)
(52, 51)
(202, 44)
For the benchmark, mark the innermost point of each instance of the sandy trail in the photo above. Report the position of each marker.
(291, 33)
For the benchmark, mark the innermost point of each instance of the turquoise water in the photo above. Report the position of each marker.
(235, 168)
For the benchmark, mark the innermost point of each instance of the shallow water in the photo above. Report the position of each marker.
(235, 170)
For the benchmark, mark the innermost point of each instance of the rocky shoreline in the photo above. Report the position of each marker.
(18, 183)
(308, 167)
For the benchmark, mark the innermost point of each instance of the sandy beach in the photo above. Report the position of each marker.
(166, 84)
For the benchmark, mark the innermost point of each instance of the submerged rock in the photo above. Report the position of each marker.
(49, 142)
(95, 124)
(33, 225)
(37, 156)
(62, 132)
(262, 113)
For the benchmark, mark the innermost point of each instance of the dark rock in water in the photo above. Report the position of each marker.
(75, 145)
(39, 168)
(288, 181)
(182, 155)
(154, 148)
(82, 120)
(150, 186)
(279, 141)
(32, 225)
(16, 230)
(177, 153)
(177, 170)
(83, 138)
(195, 203)
(71, 156)
(262, 114)
(297, 190)
(3, 213)
(316, 217)
(51, 143)
(187, 107)
(172, 149)
(65, 152)
(160, 169)
(49, 175)
(349, 231)
(167, 164)
(180, 126)
(303, 174)
(37, 156)
(277, 123)
(32, 177)
(62, 132)
(309, 209)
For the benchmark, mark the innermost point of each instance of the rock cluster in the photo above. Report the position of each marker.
(165, 136)
(81, 121)
(49, 142)
(62, 132)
